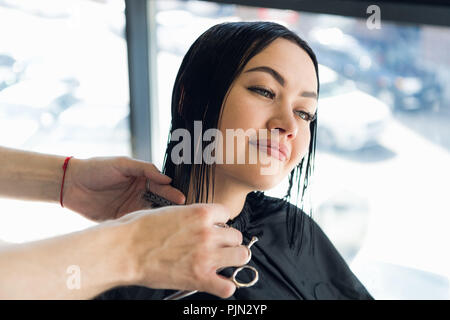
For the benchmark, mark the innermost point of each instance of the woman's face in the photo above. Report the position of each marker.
(264, 100)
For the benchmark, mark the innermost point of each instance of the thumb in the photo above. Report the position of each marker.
(138, 168)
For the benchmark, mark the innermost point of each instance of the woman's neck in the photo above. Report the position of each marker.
(227, 191)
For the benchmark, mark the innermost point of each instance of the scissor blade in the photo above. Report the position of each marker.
(180, 295)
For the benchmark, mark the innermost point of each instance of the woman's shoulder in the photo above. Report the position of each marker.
(278, 210)
(284, 225)
(278, 216)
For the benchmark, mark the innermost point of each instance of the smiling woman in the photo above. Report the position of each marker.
(243, 76)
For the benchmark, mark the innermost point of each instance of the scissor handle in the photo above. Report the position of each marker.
(243, 284)
(239, 269)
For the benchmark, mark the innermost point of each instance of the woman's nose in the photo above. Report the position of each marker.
(284, 120)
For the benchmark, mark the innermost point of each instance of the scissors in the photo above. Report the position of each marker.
(159, 201)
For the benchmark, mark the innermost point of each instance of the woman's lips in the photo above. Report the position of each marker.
(278, 151)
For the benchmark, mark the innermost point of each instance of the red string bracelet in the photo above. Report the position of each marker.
(66, 163)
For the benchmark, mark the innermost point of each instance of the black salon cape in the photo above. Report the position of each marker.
(283, 273)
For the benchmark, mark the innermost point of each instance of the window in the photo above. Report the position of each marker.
(63, 90)
(381, 177)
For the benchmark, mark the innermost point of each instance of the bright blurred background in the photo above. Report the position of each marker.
(381, 175)
(63, 90)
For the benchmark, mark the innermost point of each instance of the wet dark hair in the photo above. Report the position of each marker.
(206, 73)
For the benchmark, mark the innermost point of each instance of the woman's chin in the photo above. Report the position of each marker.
(266, 186)
(256, 177)
(263, 183)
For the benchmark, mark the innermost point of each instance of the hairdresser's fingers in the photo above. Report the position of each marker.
(227, 237)
(231, 257)
(168, 192)
(220, 286)
(137, 168)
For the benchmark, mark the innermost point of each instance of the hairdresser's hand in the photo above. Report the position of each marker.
(180, 247)
(108, 188)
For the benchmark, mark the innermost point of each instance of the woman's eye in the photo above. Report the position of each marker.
(263, 92)
(305, 115)
(269, 94)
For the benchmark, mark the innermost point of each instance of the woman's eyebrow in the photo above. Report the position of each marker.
(280, 79)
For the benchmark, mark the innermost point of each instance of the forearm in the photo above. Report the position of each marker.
(80, 265)
(30, 175)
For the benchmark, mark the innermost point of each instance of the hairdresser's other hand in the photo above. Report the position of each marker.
(108, 188)
(180, 247)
